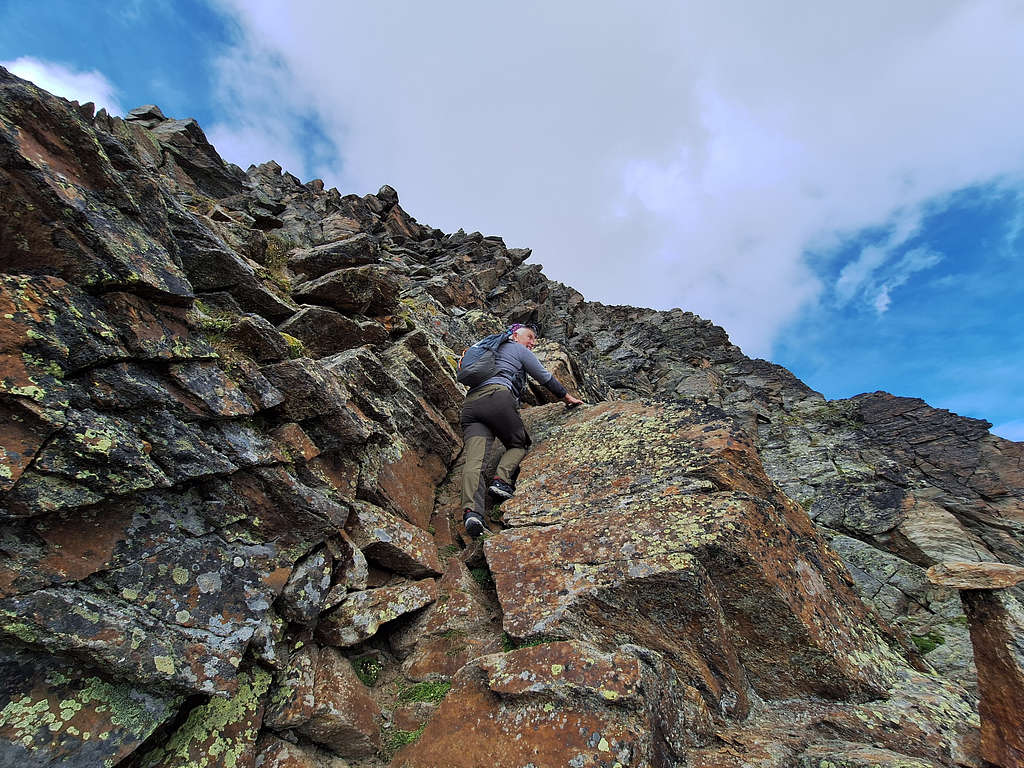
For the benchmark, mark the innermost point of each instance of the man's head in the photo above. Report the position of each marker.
(524, 334)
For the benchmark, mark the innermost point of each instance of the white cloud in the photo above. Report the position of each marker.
(913, 261)
(660, 154)
(872, 276)
(874, 280)
(882, 300)
(854, 276)
(266, 107)
(1013, 244)
(63, 81)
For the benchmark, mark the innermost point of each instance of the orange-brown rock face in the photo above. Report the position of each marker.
(561, 704)
(677, 542)
(344, 717)
(458, 627)
(681, 611)
(997, 634)
(997, 628)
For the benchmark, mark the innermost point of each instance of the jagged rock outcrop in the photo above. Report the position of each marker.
(896, 485)
(677, 592)
(997, 634)
(230, 438)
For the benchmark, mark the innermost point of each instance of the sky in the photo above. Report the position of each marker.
(839, 185)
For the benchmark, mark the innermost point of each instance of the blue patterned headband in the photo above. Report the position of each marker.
(516, 326)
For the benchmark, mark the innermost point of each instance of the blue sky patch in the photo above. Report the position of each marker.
(952, 335)
(153, 51)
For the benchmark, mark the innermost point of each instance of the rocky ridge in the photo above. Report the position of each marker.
(229, 441)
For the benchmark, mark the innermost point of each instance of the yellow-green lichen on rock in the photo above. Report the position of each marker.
(222, 732)
(56, 716)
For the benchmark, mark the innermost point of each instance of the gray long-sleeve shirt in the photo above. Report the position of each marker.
(514, 362)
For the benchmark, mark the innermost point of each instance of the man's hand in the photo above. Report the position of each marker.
(570, 401)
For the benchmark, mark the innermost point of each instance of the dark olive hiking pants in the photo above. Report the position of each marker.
(489, 415)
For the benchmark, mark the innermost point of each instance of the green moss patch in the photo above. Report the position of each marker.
(508, 644)
(296, 348)
(929, 642)
(426, 691)
(368, 669)
(483, 577)
(395, 739)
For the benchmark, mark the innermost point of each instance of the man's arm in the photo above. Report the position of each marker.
(547, 378)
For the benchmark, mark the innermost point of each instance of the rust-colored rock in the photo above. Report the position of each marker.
(24, 427)
(681, 530)
(345, 718)
(296, 442)
(409, 484)
(411, 717)
(997, 634)
(976, 575)
(561, 704)
(392, 542)
(459, 626)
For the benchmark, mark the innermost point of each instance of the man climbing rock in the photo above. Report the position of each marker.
(491, 411)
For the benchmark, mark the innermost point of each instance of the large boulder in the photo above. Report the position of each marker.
(459, 626)
(682, 529)
(344, 717)
(349, 252)
(320, 696)
(392, 543)
(325, 331)
(366, 290)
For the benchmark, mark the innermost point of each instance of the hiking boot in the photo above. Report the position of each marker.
(501, 489)
(473, 522)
